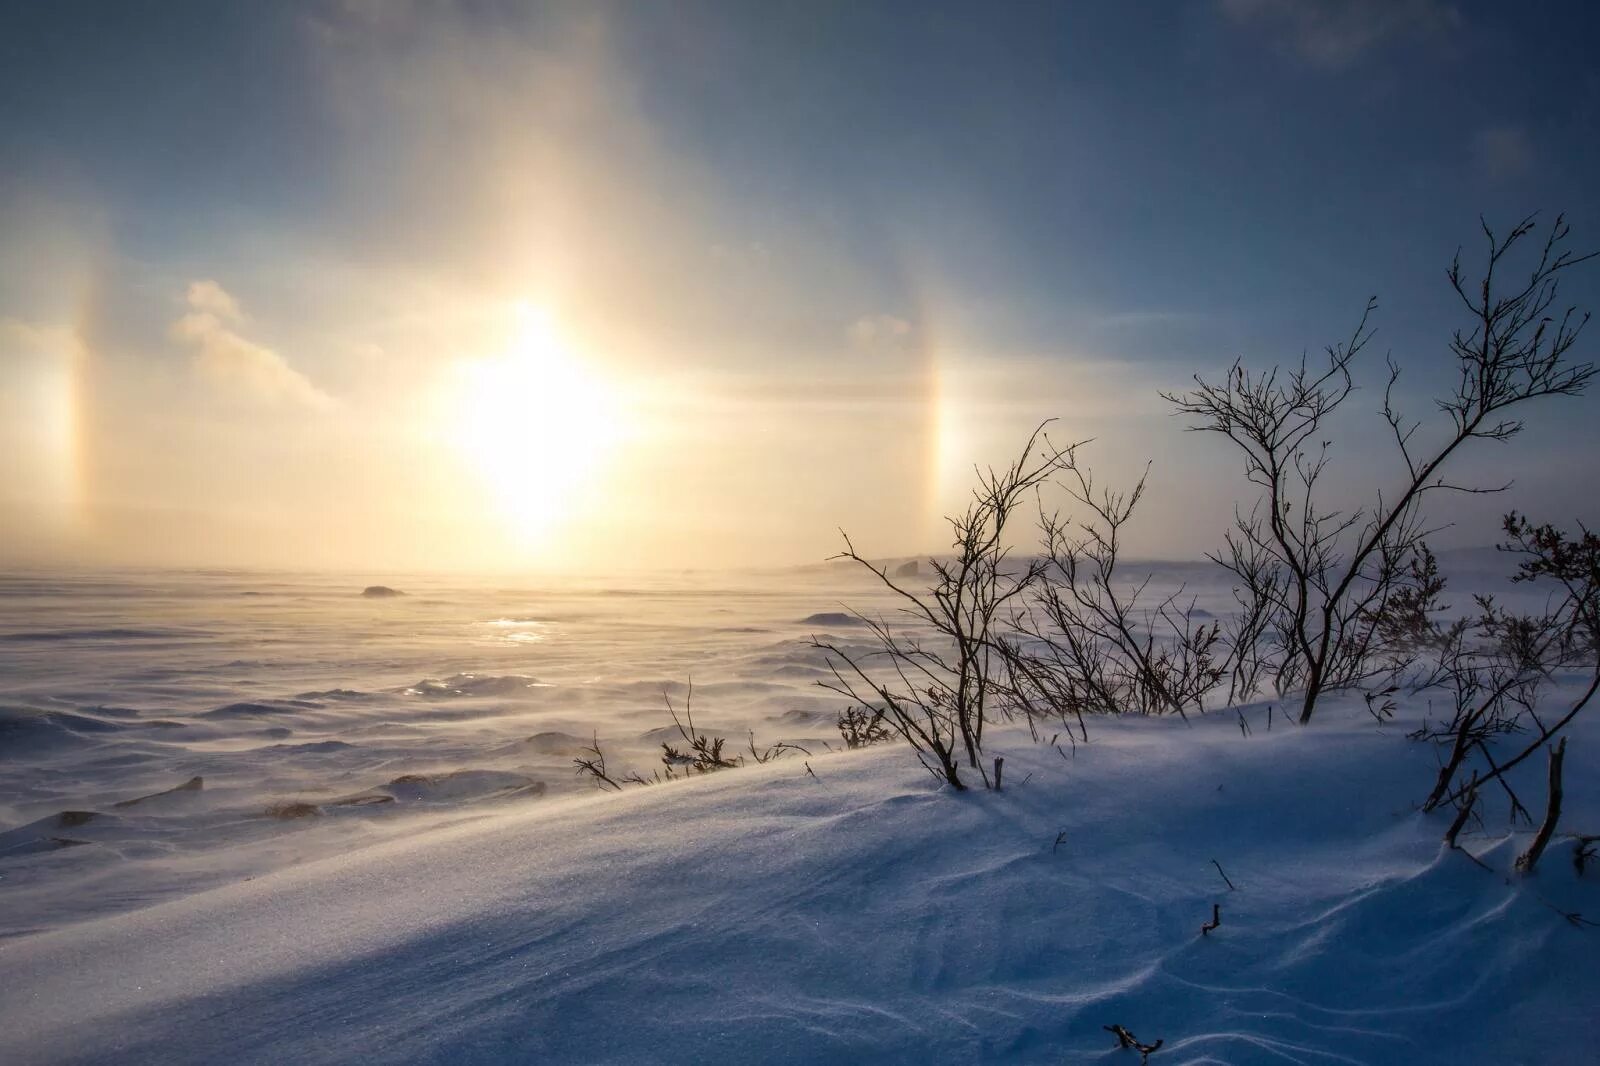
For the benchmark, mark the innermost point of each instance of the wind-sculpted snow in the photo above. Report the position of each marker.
(865, 915)
(472, 685)
(124, 634)
(319, 721)
(25, 731)
(365, 872)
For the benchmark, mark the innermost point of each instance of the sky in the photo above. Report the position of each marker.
(383, 285)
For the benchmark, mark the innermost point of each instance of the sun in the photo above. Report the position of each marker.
(534, 424)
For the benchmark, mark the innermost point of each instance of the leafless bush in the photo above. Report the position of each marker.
(1094, 642)
(764, 754)
(1335, 572)
(1491, 684)
(1496, 690)
(937, 692)
(701, 753)
(861, 726)
(1250, 633)
(593, 763)
(704, 754)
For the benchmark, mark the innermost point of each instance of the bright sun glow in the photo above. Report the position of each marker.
(535, 423)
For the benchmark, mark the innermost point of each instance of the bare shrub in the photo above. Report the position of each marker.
(861, 726)
(702, 753)
(1492, 682)
(1496, 690)
(705, 752)
(1093, 642)
(1250, 633)
(763, 753)
(593, 763)
(1335, 572)
(1088, 639)
(937, 692)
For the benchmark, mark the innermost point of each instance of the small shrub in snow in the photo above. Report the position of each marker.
(1496, 687)
(700, 753)
(938, 692)
(764, 754)
(594, 764)
(861, 726)
(1087, 642)
(1324, 577)
(1126, 1039)
(705, 752)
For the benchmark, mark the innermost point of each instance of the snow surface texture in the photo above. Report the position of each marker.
(860, 914)
(319, 720)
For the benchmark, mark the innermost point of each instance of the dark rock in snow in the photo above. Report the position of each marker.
(380, 592)
(831, 618)
(908, 569)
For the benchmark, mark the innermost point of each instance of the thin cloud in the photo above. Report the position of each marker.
(213, 299)
(233, 362)
(1334, 34)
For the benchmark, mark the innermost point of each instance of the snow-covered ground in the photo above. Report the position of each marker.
(283, 693)
(841, 908)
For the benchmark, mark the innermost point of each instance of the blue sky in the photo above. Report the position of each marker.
(780, 206)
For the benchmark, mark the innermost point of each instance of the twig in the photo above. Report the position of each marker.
(1126, 1039)
(595, 766)
(1583, 852)
(1059, 838)
(1216, 919)
(1573, 917)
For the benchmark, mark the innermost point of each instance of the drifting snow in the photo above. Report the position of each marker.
(837, 908)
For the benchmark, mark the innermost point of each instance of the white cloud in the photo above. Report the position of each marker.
(233, 362)
(1501, 153)
(1336, 33)
(211, 298)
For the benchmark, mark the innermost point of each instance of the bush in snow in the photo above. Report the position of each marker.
(1496, 682)
(1324, 577)
(861, 726)
(1085, 643)
(938, 692)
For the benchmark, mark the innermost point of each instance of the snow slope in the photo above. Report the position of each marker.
(865, 915)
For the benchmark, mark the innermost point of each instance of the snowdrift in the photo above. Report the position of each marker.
(863, 914)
